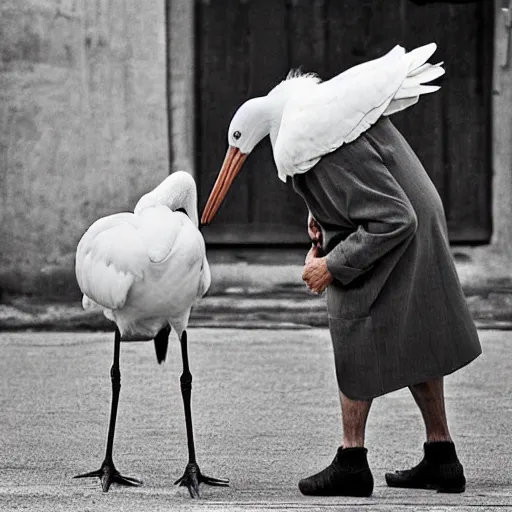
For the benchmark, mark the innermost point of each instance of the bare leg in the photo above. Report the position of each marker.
(440, 468)
(108, 474)
(354, 416)
(429, 397)
(349, 473)
(192, 476)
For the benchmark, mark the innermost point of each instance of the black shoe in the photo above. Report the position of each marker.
(348, 475)
(440, 469)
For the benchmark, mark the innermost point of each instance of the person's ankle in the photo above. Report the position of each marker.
(353, 443)
(438, 437)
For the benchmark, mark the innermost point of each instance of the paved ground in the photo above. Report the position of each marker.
(266, 414)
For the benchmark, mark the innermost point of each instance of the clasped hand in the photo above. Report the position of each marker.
(316, 275)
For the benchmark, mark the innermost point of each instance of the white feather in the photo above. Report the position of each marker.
(419, 56)
(431, 72)
(412, 92)
(397, 105)
(338, 111)
(147, 268)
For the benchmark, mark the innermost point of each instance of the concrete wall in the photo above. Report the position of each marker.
(502, 133)
(83, 130)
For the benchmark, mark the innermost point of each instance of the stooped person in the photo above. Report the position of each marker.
(397, 314)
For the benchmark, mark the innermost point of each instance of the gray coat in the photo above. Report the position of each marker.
(397, 313)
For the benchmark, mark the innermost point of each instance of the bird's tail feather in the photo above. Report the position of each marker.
(425, 73)
(397, 105)
(423, 68)
(161, 343)
(420, 72)
(419, 56)
(412, 92)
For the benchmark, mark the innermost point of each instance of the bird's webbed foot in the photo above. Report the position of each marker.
(193, 477)
(108, 475)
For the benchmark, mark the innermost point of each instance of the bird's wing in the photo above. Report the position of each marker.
(342, 108)
(117, 250)
(412, 87)
(205, 279)
(109, 258)
(369, 66)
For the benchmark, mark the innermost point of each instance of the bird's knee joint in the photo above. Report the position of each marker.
(115, 376)
(186, 381)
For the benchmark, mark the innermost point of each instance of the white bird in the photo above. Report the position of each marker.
(307, 118)
(145, 270)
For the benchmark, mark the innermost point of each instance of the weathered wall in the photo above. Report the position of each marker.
(502, 133)
(83, 130)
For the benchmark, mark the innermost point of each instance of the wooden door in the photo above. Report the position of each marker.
(245, 47)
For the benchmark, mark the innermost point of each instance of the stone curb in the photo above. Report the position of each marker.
(275, 310)
(271, 294)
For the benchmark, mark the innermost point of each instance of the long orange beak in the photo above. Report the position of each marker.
(230, 168)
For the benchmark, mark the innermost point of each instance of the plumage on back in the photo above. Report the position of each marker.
(104, 273)
(338, 111)
(118, 250)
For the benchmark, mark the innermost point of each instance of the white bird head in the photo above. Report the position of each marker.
(177, 191)
(250, 124)
(253, 121)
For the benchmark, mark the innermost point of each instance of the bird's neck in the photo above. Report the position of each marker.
(282, 93)
(176, 193)
(277, 104)
(184, 200)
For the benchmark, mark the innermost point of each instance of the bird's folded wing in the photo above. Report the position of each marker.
(205, 279)
(368, 67)
(336, 113)
(110, 257)
(117, 250)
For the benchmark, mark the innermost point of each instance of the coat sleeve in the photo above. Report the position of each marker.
(378, 209)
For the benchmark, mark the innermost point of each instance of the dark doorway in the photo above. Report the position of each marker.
(244, 48)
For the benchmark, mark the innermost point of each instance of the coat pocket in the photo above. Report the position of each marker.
(356, 357)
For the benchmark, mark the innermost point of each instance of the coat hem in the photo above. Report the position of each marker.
(397, 387)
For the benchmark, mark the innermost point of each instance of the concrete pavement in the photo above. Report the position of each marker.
(266, 414)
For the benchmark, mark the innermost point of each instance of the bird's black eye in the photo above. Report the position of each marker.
(237, 135)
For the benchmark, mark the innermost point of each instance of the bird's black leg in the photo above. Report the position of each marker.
(192, 476)
(108, 474)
